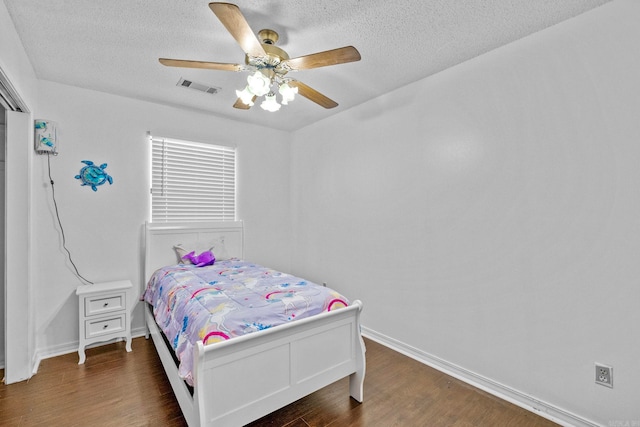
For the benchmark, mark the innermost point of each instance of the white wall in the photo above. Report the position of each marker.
(104, 228)
(490, 215)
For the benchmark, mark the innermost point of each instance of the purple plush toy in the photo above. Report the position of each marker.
(205, 258)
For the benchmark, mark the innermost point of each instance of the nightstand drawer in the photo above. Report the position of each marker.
(107, 325)
(104, 304)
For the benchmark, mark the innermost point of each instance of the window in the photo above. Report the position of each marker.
(192, 181)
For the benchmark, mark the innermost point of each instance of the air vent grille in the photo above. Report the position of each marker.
(198, 86)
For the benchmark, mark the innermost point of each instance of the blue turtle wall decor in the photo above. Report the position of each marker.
(94, 175)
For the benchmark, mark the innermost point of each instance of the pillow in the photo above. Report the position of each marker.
(219, 250)
(215, 246)
(181, 251)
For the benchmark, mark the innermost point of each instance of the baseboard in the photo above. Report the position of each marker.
(72, 347)
(523, 400)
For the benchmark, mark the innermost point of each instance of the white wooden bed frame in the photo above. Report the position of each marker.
(243, 379)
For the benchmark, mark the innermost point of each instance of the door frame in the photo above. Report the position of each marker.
(19, 320)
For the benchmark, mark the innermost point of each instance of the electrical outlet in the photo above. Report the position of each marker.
(604, 375)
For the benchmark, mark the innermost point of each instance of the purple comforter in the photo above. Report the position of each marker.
(229, 299)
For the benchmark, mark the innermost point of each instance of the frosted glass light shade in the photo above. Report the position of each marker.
(270, 103)
(246, 96)
(259, 83)
(288, 93)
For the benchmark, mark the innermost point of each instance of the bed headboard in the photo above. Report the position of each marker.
(161, 237)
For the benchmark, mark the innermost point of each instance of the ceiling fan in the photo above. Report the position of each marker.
(267, 63)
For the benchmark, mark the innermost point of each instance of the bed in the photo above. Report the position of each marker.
(239, 380)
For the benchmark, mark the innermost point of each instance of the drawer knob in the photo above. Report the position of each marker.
(105, 326)
(105, 304)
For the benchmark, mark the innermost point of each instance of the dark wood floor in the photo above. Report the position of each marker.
(116, 388)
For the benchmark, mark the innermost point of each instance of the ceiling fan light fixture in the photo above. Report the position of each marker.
(270, 103)
(246, 96)
(258, 83)
(267, 62)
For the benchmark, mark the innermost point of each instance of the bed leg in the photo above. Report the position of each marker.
(356, 385)
(356, 380)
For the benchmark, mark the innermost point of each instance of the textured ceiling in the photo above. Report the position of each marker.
(113, 46)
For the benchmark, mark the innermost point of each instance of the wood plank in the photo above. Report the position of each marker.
(116, 388)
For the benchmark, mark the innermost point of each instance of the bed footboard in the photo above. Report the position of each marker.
(241, 380)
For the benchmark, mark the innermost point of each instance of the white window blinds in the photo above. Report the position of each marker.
(192, 181)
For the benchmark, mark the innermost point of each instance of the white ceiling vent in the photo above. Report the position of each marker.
(198, 86)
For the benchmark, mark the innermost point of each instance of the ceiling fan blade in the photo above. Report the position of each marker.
(200, 64)
(241, 105)
(313, 95)
(321, 59)
(233, 20)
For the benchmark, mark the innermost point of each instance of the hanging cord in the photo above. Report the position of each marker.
(64, 240)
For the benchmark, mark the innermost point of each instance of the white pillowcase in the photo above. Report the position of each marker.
(216, 246)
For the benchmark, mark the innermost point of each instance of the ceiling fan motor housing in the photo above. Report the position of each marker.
(269, 65)
(268, 36)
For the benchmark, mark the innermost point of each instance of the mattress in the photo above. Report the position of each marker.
(229, 299)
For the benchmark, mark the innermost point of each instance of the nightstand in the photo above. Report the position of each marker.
(103, 314)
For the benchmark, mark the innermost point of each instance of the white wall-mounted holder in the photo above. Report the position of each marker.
(46, 137)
